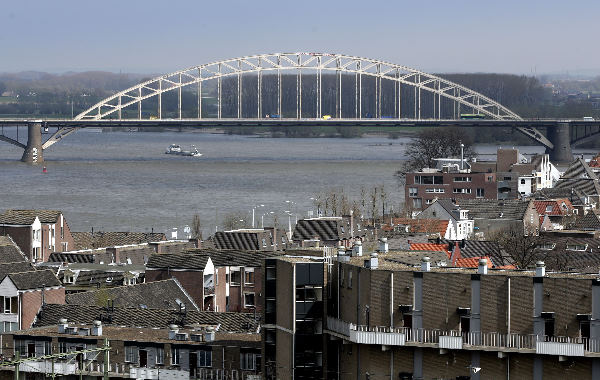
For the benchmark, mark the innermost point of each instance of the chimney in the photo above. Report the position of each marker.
(372, 262)
(342, 257)
(357, 249)
(540, 269)
(483, 268)
(173, 330)
(455, 254)
(209, 335)
(351, 224)
(97, 328)
(62, 325)
(383, 245)
(425, 264)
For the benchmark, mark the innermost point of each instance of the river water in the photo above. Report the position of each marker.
(124, 182)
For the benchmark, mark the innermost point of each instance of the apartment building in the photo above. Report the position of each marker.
(143, 344)
(293, 340)
(392, 321)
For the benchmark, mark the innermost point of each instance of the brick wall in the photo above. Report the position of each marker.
(567, 298)
(494, 301)
(443, 293)
(191, 281)
(285, 296)
(21, 236)
(32, 301)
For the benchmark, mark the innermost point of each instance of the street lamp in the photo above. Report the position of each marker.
(254, 208)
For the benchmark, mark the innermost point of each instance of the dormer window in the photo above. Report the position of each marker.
(547, 246)
(68, 278)
(576, 247)
(548, 209)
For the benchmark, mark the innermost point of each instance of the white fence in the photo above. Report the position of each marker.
(541, 344)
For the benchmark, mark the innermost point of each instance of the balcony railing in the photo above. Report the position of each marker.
(540, 344)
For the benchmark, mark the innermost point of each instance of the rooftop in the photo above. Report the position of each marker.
(100, 239)
(34, 279)
(26, 217)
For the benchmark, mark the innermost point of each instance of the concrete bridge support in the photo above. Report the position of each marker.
(33, 153)
(560, 135)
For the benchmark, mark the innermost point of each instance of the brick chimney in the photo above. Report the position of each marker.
(455, 254)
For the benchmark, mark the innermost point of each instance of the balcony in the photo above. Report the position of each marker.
(456, 340)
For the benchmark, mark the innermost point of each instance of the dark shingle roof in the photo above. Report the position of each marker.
(196, 259)
(494, 209)
(589, 221)
(34, 279)
(579, 176)
(88, 240)
(559, 258)
(60, 257)
(102, 277)
(9, 251)
(152, 295)
(28, 216)
(177, 261)
(21, 266)
(237, 240)
(135, 317)
(323, 229)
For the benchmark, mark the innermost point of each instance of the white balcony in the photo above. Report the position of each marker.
(561, 349)
(377, 335)
(451, 342)
(156, 373)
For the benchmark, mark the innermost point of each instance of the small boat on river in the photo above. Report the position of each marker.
(176, 150)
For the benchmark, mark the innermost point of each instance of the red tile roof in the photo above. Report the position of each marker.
(429, 247)
(557, 207)
(471, 262)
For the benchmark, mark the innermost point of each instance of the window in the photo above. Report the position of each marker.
(462, 179)
(549, 209)
(480, 193)
(160, 355)
(576, 247)
(434, 190)
(62, 347)
(47, 348)
(249, 299)
(249, 276)
(11, 326)
(522, 181)
(248, 360)
(349, 279)
(175, 356)
(490, 178)
(264, 242)
(36, 254)
(429, 201)
(429, 180)
(461, 191)
(417, 203)
(65, 246)
(11, 305)
(412, 191)
(547, 246)
(507, 178)
(130, 354)
(204, 358)
(216, 277)
(235, 276)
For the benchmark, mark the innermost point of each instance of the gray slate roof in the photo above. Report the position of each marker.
(151, 295)
(60, 257)
(9, 251)
(135, 317)
(579, 176)
(177, 261)
(13, 217)
(34, 279)
(573, 195)
(494, 209)
(18, 267)
(588, 222)
(99, 239)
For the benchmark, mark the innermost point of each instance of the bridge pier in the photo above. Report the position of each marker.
(33, 153)
(560, 136)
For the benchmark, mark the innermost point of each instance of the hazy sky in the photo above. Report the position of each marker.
(152, 36)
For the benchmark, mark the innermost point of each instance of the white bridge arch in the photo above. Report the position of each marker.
(314, 62)
(302, 63)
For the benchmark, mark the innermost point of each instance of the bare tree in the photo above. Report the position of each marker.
(233, 220)
(520, 247)
(433, 143)
(196, 227)
(373, 205)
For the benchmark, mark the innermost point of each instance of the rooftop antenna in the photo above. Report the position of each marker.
(462, 146)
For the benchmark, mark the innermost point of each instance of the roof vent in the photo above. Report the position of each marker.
(97, 328)
(357, 249)
(425, 264)
(372, 262)
(173, 330)
(62, 325)
(483, 268)
(540, 269)
(383, 245)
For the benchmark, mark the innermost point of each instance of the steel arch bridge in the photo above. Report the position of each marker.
(446, 98)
